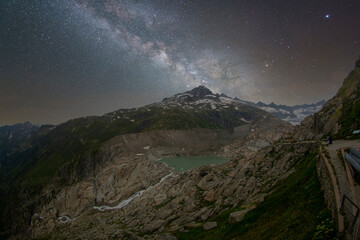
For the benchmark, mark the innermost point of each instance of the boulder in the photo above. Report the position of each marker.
(209, 225)
(238, 216)
(210, 196)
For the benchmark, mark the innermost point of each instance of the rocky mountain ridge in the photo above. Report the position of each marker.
(201, 97)
(293, 114)
(204, 98)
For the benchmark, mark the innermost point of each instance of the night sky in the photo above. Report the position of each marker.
(71, 58)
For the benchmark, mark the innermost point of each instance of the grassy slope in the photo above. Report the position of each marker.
(294, 210)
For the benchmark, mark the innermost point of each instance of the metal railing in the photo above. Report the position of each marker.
(355, 234)
(353, 211)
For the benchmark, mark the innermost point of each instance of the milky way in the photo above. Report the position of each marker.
(72, 58)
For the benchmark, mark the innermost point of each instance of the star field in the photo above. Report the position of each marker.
(71, 58)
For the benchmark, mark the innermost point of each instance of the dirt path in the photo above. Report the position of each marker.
(339, 166)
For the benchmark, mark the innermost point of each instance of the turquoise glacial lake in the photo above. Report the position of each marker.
(184, 163)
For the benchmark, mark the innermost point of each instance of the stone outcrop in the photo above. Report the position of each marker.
(238, 216)
(209, 225)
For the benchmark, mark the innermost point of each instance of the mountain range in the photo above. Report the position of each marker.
(293, 114)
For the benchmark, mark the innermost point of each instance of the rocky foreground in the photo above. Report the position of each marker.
(158, 202)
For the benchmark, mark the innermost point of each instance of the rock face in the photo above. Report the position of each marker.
(114, 183)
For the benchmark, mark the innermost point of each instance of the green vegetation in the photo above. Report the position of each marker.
(294, 210)
(325, 230)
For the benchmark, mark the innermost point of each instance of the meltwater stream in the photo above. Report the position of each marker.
(135, 195)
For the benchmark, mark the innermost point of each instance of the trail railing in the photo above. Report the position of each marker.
(351, 213)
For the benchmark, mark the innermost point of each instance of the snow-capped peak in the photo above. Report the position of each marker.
(201, 97)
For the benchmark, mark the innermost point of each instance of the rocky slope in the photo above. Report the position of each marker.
(168, 205)
(340, 115)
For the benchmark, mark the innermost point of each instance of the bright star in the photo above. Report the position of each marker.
(327, 16)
